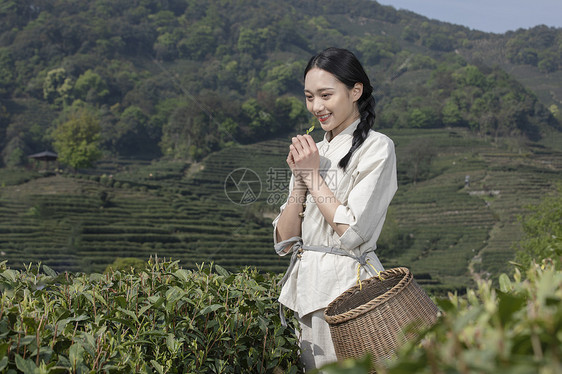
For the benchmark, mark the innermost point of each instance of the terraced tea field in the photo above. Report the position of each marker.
(221, 209)
(84, 222)
(460, 232)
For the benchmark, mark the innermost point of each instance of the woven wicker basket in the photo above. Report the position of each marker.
(376, 317)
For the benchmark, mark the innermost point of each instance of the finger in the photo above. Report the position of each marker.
(310, 141)
(293, 152)
(291, 164)
(297, 145)
(305, 146)
(290, 156)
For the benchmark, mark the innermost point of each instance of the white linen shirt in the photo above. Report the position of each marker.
(364, 190)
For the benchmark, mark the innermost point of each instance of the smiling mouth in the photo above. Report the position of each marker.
(324, 117)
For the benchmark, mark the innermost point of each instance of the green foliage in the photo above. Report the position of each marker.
(439, 42)
(198, 43)
(410, 34)
(252, 41)
(393, 239)
(542, 229)
(422, 118)
(77, 140)
(90, 87)
(13, 154)
(260, 120)
(470, 75)
(451, 113)
(57, 87)
(283, 78)
(6, 71)
(373, 50)
(348, 366)
(540, 46)
(190, 133)
(161, 319)
(513, 329)
(124, 208)
(418, 62)
(487, 101)
(15, 176)
(126, 265)
(417, 159)
(147, 54)
(170, 320)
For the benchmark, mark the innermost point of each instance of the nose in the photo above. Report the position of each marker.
(317, 106)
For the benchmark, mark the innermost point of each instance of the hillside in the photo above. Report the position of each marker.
(181, 97)
(448, 233)
(182, 79)
(531, 56)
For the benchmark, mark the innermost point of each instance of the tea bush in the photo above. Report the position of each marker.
(542, 230)
(161, 319)
(165, 319)
(516, 328)
(513, 329)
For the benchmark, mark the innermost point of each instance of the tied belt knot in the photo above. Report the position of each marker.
(297, 247)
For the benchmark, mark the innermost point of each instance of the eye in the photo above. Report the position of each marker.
(309, 97)
(326, 96)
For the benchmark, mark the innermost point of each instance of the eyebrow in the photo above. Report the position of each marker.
(319, 90)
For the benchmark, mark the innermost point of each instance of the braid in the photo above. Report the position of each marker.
(367, 112)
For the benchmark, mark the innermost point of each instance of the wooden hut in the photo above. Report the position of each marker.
(46, 157)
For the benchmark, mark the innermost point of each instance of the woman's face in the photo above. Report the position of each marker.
(331, 101)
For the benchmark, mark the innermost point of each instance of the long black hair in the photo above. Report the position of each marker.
(347, 69)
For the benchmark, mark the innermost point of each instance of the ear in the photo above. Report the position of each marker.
(357, 91)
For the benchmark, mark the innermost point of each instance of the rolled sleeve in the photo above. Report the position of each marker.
(343, 216)
(351, 239)
(276, 219)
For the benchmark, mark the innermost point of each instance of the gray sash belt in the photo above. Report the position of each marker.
(298, 249)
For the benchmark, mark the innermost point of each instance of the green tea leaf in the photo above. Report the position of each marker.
(445, 304)
(89, 342)
(210, 309)
(28, 339)
(171, 343)
(157, 366)
(156, 301)
(174, 294)
(4, 348)
(9, 274)
(88, 295)
(182, 275)
(505, 283)
(76, 355)
(3, 362)
(310, 129)
(26, 366)
(222, 271)
(144, 309)
(96, 277)
(508, 305)
(50, 272)
(129, 313)
(124, 321)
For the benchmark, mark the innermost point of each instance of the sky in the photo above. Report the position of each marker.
(496, 16)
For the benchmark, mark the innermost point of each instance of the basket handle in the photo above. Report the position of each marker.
(377, 272)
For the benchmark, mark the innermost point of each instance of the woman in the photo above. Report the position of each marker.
(338, 197)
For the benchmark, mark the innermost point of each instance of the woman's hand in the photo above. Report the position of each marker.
(303, 158)
(304, 161)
